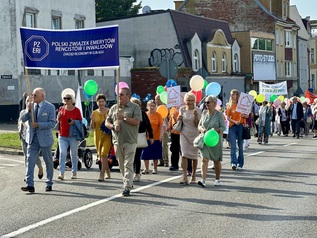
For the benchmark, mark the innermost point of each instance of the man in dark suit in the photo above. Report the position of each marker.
(296, 115)
(39, 137)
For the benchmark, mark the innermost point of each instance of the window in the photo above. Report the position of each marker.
(79, 24)
(56, 19)
(281, 37)
(236, 63)
(30, 20)
(288, 69)
(71, 72)
(313, 81)
(79, 21)
(224, 63)
(34, 71)
(277, 39)
(312, 55)
(214, 62)
(56, 23)
(254, 43)
(261, 44)
(90, 72)
(288, 39)
(196, 60)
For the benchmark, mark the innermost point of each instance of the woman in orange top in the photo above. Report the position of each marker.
(236, 122)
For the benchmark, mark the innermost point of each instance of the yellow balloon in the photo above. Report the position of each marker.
(281, 97)
(162, 110)
(260, 98)
(253, 93)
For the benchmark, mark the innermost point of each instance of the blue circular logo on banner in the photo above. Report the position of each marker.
(36, 48)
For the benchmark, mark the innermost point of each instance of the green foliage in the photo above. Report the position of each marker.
(12, 141)
(109, 9)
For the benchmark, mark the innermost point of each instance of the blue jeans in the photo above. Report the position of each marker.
(33, 151)
(235, 133)
(64, 142)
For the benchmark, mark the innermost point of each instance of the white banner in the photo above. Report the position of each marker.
(269, 89)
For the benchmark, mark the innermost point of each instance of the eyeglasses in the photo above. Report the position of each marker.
(33, 95)
(209, 102)
(190, 100)
(65, 98)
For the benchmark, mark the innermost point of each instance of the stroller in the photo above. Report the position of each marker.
(84, 154)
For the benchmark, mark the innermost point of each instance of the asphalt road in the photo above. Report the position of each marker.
(274, 196)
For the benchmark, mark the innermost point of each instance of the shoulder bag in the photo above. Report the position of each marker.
(142, 141)
(177, 126)
(246, 135)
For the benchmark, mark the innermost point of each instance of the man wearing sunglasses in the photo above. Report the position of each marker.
(39, 137)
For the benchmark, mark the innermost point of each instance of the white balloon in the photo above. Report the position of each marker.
(196, 83)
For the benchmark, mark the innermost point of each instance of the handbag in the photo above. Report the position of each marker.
(105, 129)
(142, 141)
(257, 122)
(177, 127)
(199, 141)
(246, 135)
(309, 120)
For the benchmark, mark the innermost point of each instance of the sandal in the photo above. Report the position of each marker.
(184, 182)
(193, 180)
(145, 172)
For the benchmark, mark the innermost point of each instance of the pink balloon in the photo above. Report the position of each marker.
(277, 102)
(121, 85)
(218, 107)
(267, 97)
(307, 100)
(219, 102)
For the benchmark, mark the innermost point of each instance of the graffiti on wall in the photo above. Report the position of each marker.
(158, 55)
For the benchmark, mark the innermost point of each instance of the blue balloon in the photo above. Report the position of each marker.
(213, 89)
(86, 95)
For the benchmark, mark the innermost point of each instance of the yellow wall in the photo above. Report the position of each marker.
(245, 54)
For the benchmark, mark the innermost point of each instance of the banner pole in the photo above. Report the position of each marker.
(29, 89)
(117, 81)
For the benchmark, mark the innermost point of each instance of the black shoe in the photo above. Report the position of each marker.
(48, 188)
(294, 136)
(161, 163)
(173, 168)
(40, 176)
(28, 189)
(126, 192)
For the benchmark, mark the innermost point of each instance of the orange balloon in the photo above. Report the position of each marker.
(162, 109)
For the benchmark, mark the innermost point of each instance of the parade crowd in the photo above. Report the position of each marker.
(191, 132)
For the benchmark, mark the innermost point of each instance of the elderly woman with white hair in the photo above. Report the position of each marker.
(67, 116)
(190, 115)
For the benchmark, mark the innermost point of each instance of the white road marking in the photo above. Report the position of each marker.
(260, 152)
(294, 143)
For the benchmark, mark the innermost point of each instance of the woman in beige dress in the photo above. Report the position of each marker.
(190, 115)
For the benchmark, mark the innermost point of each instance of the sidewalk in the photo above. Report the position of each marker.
(8, 128)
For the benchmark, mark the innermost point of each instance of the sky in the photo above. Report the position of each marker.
(305, 7)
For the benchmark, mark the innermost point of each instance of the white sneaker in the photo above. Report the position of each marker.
(239, 168)
(202, 183)
(217, 182)
(137, 178)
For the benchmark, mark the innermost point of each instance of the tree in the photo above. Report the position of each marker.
(109, 9)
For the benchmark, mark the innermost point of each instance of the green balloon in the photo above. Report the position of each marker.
(159, 90)
(205, 84)
(273, 97)
(86, 103)
(91, 87)
(211, 138)
(163, 97)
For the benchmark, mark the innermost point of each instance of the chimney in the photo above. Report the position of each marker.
(178, 3)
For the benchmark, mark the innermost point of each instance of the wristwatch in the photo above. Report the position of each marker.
(125, 119)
